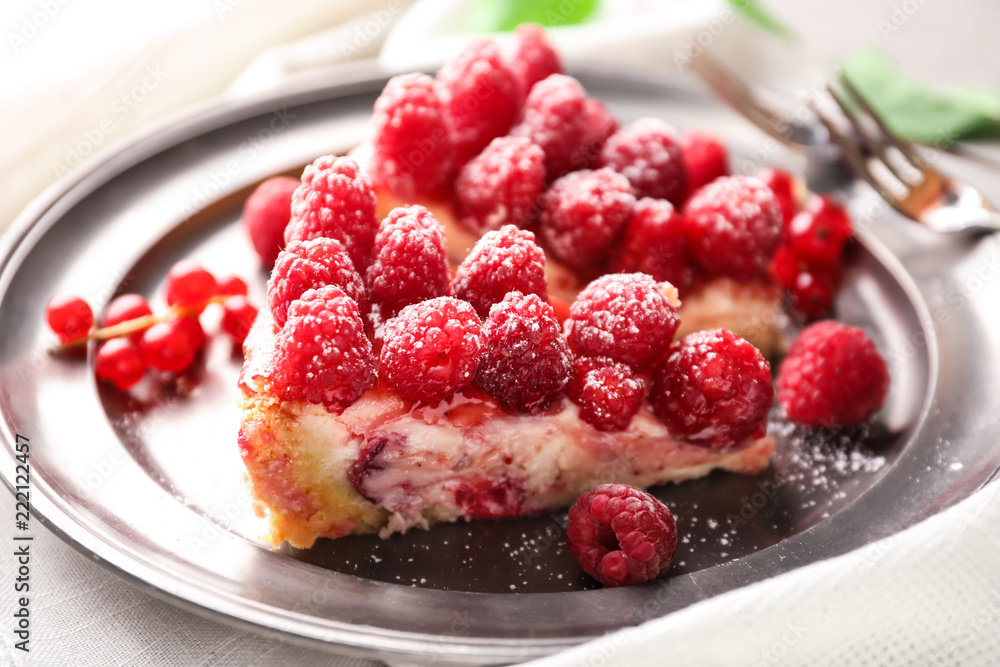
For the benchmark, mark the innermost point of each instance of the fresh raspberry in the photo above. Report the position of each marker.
(624, 316)
(119, 362)
(238, 315)
(171, 346)
(734, 227)
(815, 288)
(648, 153)
(607, 393)
(833, 375)
(322, 353)
(621, 535)
(706, 158)
(502, 261)
(410, 261)
(501, 185)
(555, 118)
(265, 215)
(189, 285)
(431, 349)
(480, 96)
(533, 58)
(526, 362)
(655, 242)
(583, 213)
(818, 233)
(600, 125)
(70, 317)
(413, 149)
(335, 200)
(232, 285)
(306, 265)
(783, 187)
(713, 390)
(488, 498)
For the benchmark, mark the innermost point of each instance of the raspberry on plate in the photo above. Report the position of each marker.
(502, 261)
(621, 535)
(555, 118)
(533, 58)
(335, 200)
(413, 150)
(306, 265)
(734, 227)
(265, 215)
(526, 362)
(648, 153)
(706, 158)
(322, 354)
(624, 316)
(713, 390)
(583, 213)
(501, 185)
(833, 376)
(480, 96)
(607, 393)
(431, 349)
(410, 261)
(655, 242)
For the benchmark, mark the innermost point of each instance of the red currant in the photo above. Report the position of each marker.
(70, 317)
(785, 266)
(231, 285)
(124, 308)
(171, 345)
(119, 361)
(237, 316)
(818, 234)
(781, 184)
(815, 288)
(189, 285)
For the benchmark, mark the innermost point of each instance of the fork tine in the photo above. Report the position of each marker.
(905, 147)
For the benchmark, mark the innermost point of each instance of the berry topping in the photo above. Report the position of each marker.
(624, 316)
(306, 265)
(368, 464)
(410, 262)
(480, 96)
(781, 184)
(491, 498)
(171, 346)
(533, 59)
(607, 393)
(431, 349)
(648, 153)
(238, 315)
(818, 233)
(713, 390)
(583, 213)
(526, 362)
(833, 376)
(335, 200)
(189, 285)
(413, 149)
(127, 307)
(655, 242)
(502, 261)
(265, 215)
(734, 227)
(555, 118)
(600, 125)
(322, 353)
(501, 185)
(119, 362)
(232, 285)
(706, 158)
(70, 317)
(815, 288)
(621, 536)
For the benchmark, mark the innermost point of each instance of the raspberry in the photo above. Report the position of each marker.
(815, 288)
(502, 261)
(818, 233)
(533, 59)
(648, 153)
(265, 215)
(713, 390)
(335, 200)
(413, 149)
(171, 346)
(322, 354)
(119, 362)
(622, 316)
(781, 184)
(410, 261)
(599, 126)
(431, 349)
(480, 96)
(555, 118)
(706, 158)
(238, 315)
(501, 185)
(655, 242)
(306, 265)
(734, 227)
(189, 285)
(526, 362)
(583, 213)
(607, 393)
(621, 535)
(833, 376)
(70, 317)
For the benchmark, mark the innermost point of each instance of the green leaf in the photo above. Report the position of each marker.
(503, 15)
(764, 18)
(920, 112)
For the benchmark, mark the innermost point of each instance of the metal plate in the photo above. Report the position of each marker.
(151, 483)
